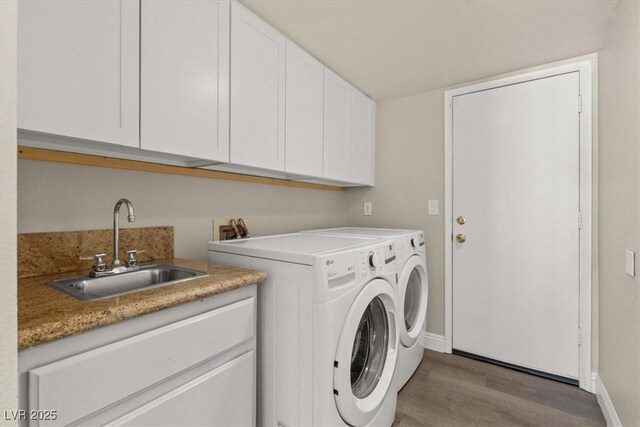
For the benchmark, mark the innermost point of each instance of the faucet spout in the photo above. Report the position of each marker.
(116, 228)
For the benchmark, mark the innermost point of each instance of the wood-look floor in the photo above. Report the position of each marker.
(450, 390)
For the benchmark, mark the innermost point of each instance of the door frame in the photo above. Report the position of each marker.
(585, 194)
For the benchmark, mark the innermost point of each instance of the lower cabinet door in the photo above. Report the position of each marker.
(223, 396)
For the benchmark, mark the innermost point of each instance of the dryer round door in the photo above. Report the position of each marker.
(413, 295)
(366, 354)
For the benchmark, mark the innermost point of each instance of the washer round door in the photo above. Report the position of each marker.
(366, 354)
(413, 296)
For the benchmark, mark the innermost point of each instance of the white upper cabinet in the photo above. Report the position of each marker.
(362, 119)
(78, 69)
(185, 78)
(191, 82)
(349, 132)
(257, 92)
(305, 113)
(336, 153)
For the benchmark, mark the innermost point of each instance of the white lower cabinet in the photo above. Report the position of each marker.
(199, 370)
(220, 397)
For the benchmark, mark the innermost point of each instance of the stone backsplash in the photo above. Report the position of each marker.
(60, 251)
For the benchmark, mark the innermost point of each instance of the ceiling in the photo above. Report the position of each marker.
(393, 48)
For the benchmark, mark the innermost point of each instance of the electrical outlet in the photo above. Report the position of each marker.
(222, 229)
(368, 209)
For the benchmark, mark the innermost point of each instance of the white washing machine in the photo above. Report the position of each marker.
(328, 327)
(413, 290)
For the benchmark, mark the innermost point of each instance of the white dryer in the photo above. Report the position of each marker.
(412, 290)
(328, 327)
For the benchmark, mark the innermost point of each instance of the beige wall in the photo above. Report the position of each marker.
(619, 318)
(58, 197)
(8, 338)
(409, 172)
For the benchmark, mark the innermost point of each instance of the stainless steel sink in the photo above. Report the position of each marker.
(148, 276)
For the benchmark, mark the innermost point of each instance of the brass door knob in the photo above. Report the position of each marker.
(461, 238)
(460, 220)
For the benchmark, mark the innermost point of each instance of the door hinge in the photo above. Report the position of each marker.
(579, 336)
(579, 104)
(579, 220)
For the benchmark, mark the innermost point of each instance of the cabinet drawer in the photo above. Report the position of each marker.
(82, 384)
(221, 397)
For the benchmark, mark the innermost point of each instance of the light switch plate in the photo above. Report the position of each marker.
(368, 209)
(432, 207)
(630, 267)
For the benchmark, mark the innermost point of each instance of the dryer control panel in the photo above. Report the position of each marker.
(416, 242)
(409, 244)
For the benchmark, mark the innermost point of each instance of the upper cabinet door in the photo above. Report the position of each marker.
(337, 94)
(78, 69)
(362, 112)
(305, 113)
(185, 78)
(257, 91)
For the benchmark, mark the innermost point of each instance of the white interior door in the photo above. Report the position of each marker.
(516, 183)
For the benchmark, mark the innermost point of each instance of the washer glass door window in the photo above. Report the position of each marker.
(413, 299)
(366, 354)
(370, 348)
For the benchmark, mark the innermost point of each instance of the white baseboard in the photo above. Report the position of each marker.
(433, 342)
(609, 412)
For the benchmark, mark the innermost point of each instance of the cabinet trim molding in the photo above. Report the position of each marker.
(42, 154)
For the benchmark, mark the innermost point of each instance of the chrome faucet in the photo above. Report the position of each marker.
(116, 229)
(99, 266)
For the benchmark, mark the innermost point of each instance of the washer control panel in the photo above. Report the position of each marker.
(375, 261)
(343, 269)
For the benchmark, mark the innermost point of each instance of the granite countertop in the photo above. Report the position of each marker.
(46, 314)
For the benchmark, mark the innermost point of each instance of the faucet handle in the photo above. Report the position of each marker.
(98, 264)
(131, 257)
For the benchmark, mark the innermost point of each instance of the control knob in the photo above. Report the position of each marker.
(375, 260)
